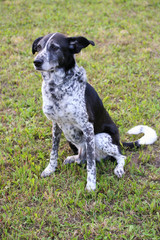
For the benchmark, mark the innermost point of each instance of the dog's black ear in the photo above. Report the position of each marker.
(77, 43)
(34, 45)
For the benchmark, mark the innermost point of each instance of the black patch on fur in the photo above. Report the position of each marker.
(131, 145)
(34, 45)
(99, 116)
(77, 43)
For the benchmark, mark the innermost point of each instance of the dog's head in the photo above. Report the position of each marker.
(57, 51)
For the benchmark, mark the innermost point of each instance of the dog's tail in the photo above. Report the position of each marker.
(149, 137)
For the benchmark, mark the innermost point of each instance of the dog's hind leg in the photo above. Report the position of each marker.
(56, 134)
(104, 147)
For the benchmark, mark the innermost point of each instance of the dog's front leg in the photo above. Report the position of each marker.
(90, 154)
(56, 134)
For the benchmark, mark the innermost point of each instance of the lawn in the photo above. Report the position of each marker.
(124, 69)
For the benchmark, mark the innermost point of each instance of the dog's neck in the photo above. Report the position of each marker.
(59, 77)
(55, 76)
(59, 83)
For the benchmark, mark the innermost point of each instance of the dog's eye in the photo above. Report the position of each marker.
(54, 47)
(39, 47)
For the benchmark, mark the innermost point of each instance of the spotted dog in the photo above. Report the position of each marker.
(75, 108)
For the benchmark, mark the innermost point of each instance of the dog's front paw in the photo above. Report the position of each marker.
(90, 187)
(119, 171)
(48, 171)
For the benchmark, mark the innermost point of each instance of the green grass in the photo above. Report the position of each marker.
(124, 68)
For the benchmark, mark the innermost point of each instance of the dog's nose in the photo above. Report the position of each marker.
(38, 62)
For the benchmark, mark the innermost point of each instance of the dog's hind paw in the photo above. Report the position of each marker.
(119, 171)
(48, 171)
(69, 160)
(72, 159)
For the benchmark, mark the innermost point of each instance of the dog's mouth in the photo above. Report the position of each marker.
(52, 69)
(41, 65)
(44, 70)
(38, 68)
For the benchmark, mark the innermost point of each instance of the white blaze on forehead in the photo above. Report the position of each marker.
(43, 53)
(45, 48)
(50, 39)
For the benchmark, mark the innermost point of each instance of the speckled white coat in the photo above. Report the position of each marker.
(64, 104)
(63, 93)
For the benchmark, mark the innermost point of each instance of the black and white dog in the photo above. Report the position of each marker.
(76, 109)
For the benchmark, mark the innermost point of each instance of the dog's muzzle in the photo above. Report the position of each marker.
(38, 63)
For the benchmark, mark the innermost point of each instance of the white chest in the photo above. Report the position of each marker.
(67, 113)
(65, 105)
(69, 108)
